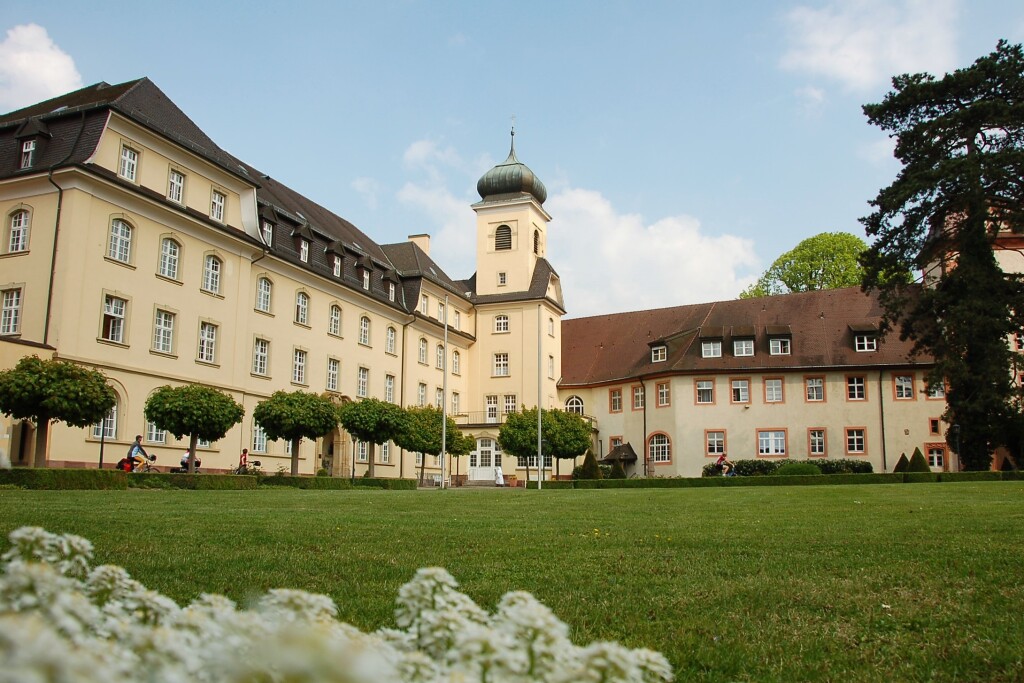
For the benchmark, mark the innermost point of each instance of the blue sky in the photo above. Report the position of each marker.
(684, 145)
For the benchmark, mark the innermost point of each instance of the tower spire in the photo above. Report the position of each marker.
(512, 149)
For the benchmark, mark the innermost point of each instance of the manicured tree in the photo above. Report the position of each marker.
(902, 464)
(296, 415)
(568, 435)
(199, 411)
(918, 462)
(422, 434)
(54, 390)
(826, 261)
(462, 444)
(961, 142)
(590, 469)
(618, 471)
(373, 421)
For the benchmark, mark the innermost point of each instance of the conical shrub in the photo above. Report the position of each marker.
(918, 463)
(902, 464)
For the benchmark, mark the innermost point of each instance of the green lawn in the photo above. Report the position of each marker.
(846, 583)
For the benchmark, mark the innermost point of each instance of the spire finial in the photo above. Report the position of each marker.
(513, 148)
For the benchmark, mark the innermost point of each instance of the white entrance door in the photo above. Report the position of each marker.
(481, 461)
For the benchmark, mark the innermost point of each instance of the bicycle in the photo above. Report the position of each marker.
(145, 465)
(254, 467)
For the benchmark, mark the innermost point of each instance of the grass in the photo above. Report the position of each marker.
(860, 583)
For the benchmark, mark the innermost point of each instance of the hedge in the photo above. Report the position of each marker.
(318, 483)
(389, 484)
(559, 484)
(920, 477)
(59, 479)
(971, 476)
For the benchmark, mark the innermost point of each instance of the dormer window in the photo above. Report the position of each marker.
(366, 279)
(659, 354)
(779, 347)
(424, 304)
(336, 266)
(865, 342)
(711, 349)
(391, 291)
(503, 238)
(268, 233)
(28, 153)
(743, 347)
(304, 250)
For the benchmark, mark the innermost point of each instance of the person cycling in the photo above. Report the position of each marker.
(137, 454)
(723, 463)
(184, 462)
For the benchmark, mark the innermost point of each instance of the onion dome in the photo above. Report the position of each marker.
(511, 178)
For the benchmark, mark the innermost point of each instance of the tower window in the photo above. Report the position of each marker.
(536, 242)
(502, 238)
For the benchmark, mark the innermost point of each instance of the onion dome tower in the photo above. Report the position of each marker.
(511, 179)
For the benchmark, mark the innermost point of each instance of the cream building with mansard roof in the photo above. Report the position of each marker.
(133, 244)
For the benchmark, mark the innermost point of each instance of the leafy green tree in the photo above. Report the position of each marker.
(54, 390)
(199, 411)
(826, 261)
(422, 434)
(296, 415)
(961, 142)
(565, 435)
(373, 421)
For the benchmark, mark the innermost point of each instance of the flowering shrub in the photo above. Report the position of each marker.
(63, 620)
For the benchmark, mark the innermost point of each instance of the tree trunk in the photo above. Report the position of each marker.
(193, 439)
(42, 436)
(295, 456)
(423, 463)
(370, 471)
(457, 468)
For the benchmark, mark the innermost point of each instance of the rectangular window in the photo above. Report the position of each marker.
(771, 442)
(501, 365)
(120, 248)
(333, 370)
(615, 401)
(263, 289)
(259, 439)
(455, 403)
(705, 391)
(268, 233)
(18, 237)
(385, 453)
(336, 265)
(511, 403)
(176, 186)
(304, 251)
(815, 388)
(391, 291)
(129, 163)
(217, 202)
(865, 342)
(551, 367)
(28, 153)
(502, 279)
(937, 391)
(638, 398)
(440, 311)
(302, 308)
(492, 408)
(856, 389)
(260, 356)
(169, 253)
(711, 349)
(743, 347)
(936, 457)
(207, 342)
(366, 279)
(364, 331)
(614, 441)
(389, 388)
(362, 382)
(334, 321)
(773, 390)
(741, 391)
(659, 354)
(456, 319)
(664, 394)
(424, 304)
(107, 427)
(421, 394)
(439, 357)
(904, 387)
(815, 442)
(154, 434)
(211, 274)
(163, 331)
(389, 341)
(438, 397)
(855, 440)
(114, 310)
(10, 315)
(715, 442)
(779, 347)
(362, 451)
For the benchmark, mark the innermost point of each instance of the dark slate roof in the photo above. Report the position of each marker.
(140, 100)
(616, 347)
(542, 273)
(623, 452)
(412, 262)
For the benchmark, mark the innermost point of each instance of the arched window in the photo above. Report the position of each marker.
(170, 251)
(211, 274)
(107, 427)
(301, 308)
(659, 448)
(120, 246)
(502, 238)
(263, 290)
(389, 345)
(536, 242)
(364, 331)
(334, 321)
(501, 323)
(440, 357)
(574, 404)
(17, 236)
(456, 362)
(422, 354)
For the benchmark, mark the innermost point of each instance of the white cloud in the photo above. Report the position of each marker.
(812, 99)
(863, 43)
(368, 188)
(33, 68)
(611, 262)
(608, 262)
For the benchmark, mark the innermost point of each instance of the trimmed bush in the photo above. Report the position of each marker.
(58, 479)
(843, 466)
(551, 485)
(902, 465)
(971, 476)
(317, 483)
(589, 469)
(918, 462)
(797, 469)
(390, 484)
(618, 471)
(920, 477)
(1013, 475)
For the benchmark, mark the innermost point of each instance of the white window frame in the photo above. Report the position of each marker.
(299, 358)
(389, 340)
(816, 442)
(615, 400)
(106, 428)
(128, 167)
(362, 382)
(212, 267)
(120, 245)
(500, 324)
(207, 351)
(421, 394)
(18, 232)
(304, 250)
(742, 347)
(501, 365)
(334, 320)
(512, 404)
(260, 356)
(664, 394)
(814, 389)
(856, 388)
(218, 200)
(302, 308)
(267, 233)
(439, 359)
(773, 390)
(389, 388)
(740, 391)
(639, 398)
(903, 387)
(714, 442)
(705, 388)
(264, 291)
(154, 434)
(421, 351)
(574, 404)
(936, 457)
(366, 278)
(456, 363)
(456, 400)
(28, 153)
(176, 186)
(659, 354)
(856, 440)
(391, 291)
(259, 438)
(438, 397)
(163, 331)
(711, 349)
(780, 346)
(115, 316)
(10, 314)
(333, 373)
(865, 343)
(659, 448)
(336, 265)
(170, 258)
(364, 330)
(424, 304)
(771, 442)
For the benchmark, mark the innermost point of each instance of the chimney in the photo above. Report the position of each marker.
(421, 241)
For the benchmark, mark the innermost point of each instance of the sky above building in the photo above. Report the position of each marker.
(684, 145)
